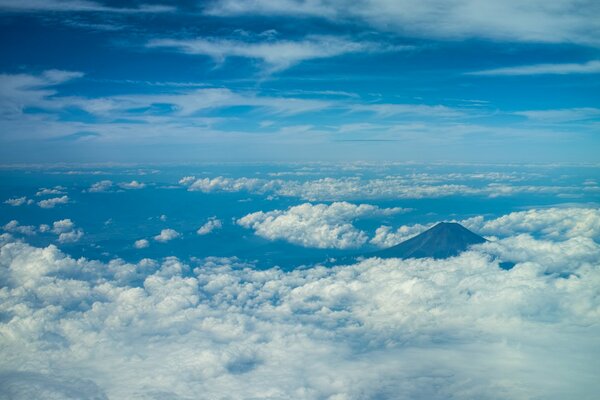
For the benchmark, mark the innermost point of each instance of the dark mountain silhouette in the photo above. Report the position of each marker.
(445, 239)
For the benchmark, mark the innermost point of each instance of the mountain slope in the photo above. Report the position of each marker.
(445, 239)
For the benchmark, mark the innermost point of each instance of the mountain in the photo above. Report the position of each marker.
(445, 239)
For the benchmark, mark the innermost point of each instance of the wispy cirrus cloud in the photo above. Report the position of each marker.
(590, 67)
(75, 6)
(564, 21)
(276, 55)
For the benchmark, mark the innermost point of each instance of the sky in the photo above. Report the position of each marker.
(194, 195)
(293, 80)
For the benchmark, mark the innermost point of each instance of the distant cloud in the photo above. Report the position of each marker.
(320, 226)
(51, 203)
(74, 6)
(132, 185)
(102, 186)
(211, 225)
(14, 227)
(50, 191)
(166, 235)
(405, 187)
(276, 55)
(590, 67)
(18, 201)
(549, 223)
(561, 115)
(141, 244)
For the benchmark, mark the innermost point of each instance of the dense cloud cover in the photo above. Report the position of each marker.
(218, 328)
(319, 225)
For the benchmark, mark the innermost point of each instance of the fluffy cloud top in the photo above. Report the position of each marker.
(49, 191)
(404, 187)
(132, 185)
(413, 329)
(66, 231)
(321, 225)
(166, 235)
(101, 186)
(211, 225)
(51, 203)
(17, 201)
(550, 223)
(141, 244)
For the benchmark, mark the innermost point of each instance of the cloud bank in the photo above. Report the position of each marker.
(425, 329)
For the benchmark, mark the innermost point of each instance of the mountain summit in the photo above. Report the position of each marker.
(445, 239)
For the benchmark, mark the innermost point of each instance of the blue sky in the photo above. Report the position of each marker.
(86, 81)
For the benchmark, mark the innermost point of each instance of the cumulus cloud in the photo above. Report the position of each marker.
(51, 203)
(211, 225)
(321, 225)
(166, 235)
(141, 244)
(385, 236)
(102, 186)
(550, 223)
(557, 223)
(66, 231)
(14, 227)
(49, 191)
(403, 187)
(402, 329)
(18, 201)
(132, 185)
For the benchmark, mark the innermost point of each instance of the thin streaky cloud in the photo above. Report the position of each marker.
(590, 67)
(276, 55)
(75, 6)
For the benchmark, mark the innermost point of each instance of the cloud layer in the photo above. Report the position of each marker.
(456, 328)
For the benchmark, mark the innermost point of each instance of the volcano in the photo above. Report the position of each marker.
(446, 239)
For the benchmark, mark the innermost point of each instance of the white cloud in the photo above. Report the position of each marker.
(550, 223)
(166, 235)
(49, 191)
(101, 186)
(14, 227)
(64, 225)
(51, 203)
(66, 231)
(561, 115)
(321, 225)
(187, 180)
(396, 187)
(141, 244)
(565, 21)
(74, 6)
(211, 225)
(386, 237)
(412, 329)
(557, 223)
(275, 54)
(18, 201)
(71, 236)
(590, 67)
(132, 185)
